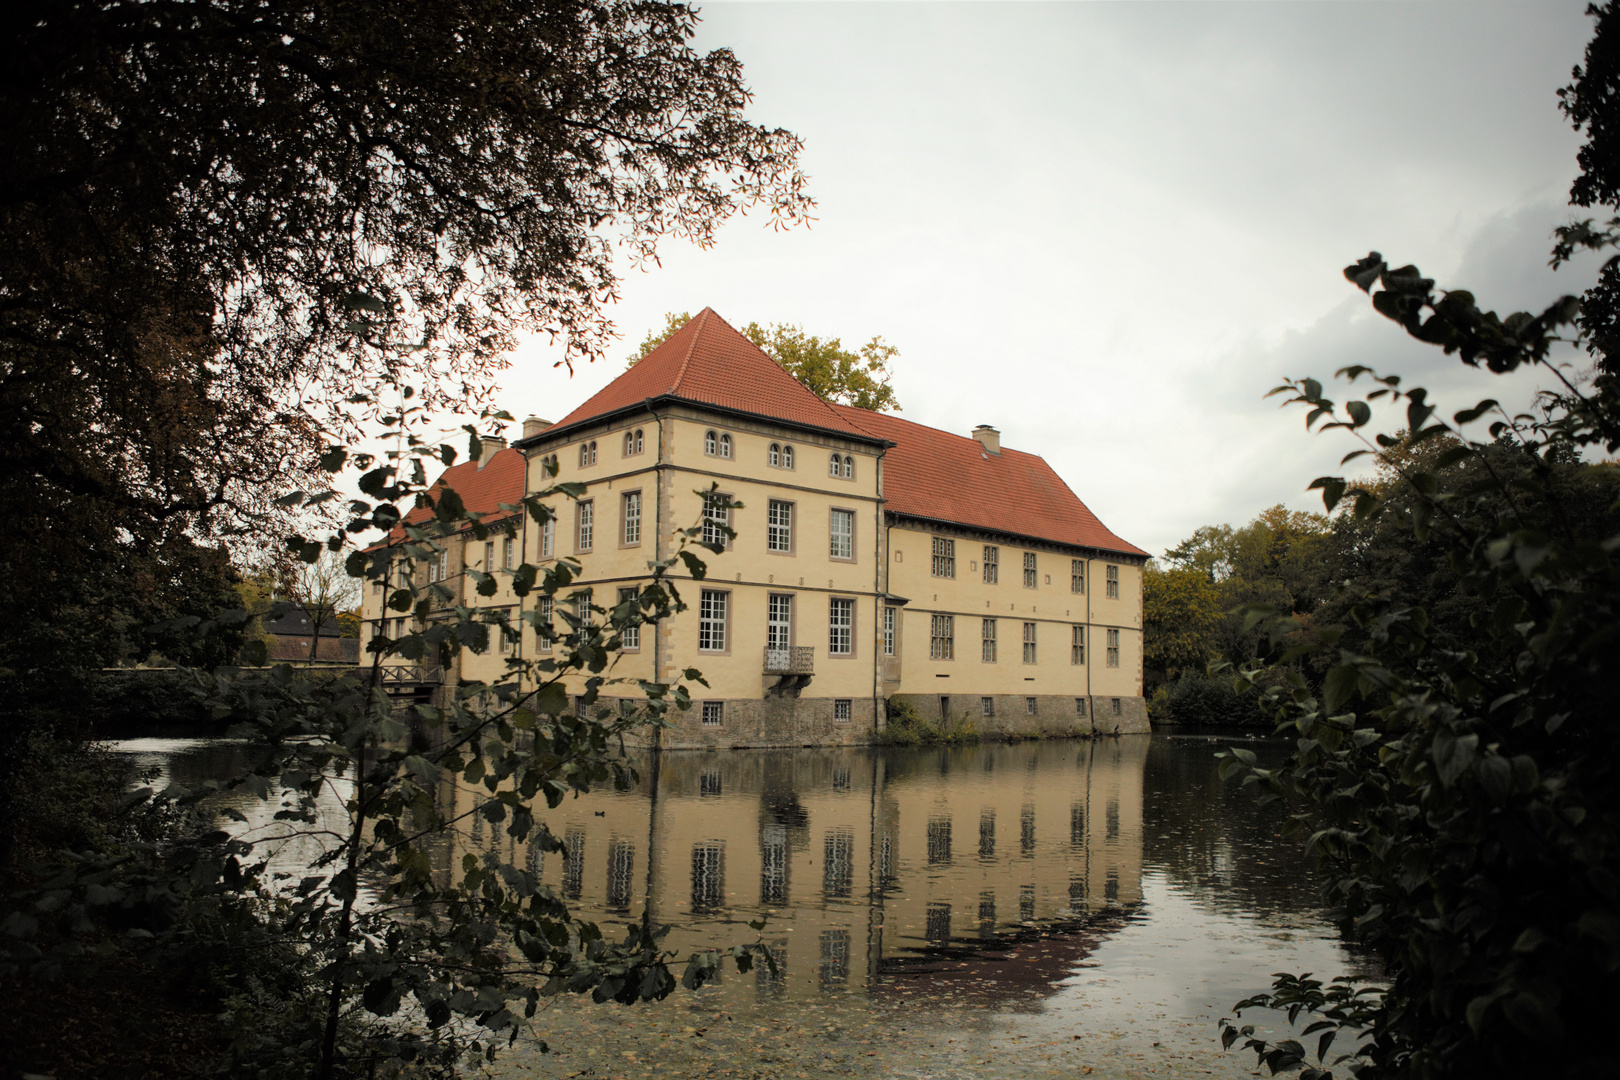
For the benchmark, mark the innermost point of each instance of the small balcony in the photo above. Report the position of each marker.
(795, 660)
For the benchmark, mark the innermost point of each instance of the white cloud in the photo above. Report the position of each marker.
(1108, 229)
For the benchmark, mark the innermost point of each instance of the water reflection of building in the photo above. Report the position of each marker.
(871, 866)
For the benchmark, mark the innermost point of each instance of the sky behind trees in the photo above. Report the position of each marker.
(1109, 229)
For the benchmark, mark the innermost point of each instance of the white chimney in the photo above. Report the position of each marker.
(492, 445)
(533, 426)
(988, 437)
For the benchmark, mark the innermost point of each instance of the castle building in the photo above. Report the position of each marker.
(874, 559)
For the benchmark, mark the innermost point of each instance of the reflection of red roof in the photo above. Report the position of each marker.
(482, 490)
(709, 363)
(952, 478)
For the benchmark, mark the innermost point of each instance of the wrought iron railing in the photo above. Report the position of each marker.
(794, 660)
(412, 674)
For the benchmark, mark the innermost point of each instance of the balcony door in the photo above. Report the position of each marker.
(779, 631)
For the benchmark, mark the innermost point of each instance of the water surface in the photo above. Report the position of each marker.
(1000, 910)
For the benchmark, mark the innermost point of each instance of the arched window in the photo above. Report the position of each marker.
(640, 444)
(725, 446)
(787, 457)
(849, 467)
(584, 454)
(832, 466)
(593, 453)
(710, 443)
(775, 456)
(629, 443)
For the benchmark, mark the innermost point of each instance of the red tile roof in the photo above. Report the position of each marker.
(482, 490)
(933, 474)
(707, 362)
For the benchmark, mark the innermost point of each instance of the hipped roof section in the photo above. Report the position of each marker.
(937, 476)
(708, 362)
(482, 491)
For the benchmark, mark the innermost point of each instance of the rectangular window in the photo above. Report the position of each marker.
(547, 636)
(1077, 644)
(841, 710)
(712, 621)
(1029, 706)
(779, 622)
(1077, 575)
(843, 534)
(509, 635)
(992, 564)
(548, 538)
(1079, 706)
(1029, 569)
(582, 607)
(585, 519)
(941, 638)
(716, 520)
(779, 526)
(888, 631)
(1029, 643)
(713, 711)
(944, 557)
(841, 627)
(1113, 648)
(629, 636)
(631, 515)
(510, 553)
(1112, 588)
(987, 707)
(489, 556)
(1115, 706)
(987, 647)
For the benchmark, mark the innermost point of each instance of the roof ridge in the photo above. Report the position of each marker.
(691, 347)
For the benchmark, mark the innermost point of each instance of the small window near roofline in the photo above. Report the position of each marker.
(787, 457)
(711, 443)
(774, 457)
(725, 446)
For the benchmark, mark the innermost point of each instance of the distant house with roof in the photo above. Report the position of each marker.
(875, 558)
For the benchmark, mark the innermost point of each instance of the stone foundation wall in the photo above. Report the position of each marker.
(1054, 715)
(772, 722)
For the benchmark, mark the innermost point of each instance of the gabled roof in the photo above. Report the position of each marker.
(482, 491)
(707, 362)
(938, 476)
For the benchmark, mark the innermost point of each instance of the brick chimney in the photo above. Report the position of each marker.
(988, 437)
(492, 445)
(533, 426)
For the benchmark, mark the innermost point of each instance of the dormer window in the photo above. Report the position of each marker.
(633, 443)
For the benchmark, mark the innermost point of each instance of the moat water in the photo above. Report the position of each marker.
(1052, 908)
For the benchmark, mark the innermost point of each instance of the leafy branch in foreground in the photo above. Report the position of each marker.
(1461, 800)
(400, 957)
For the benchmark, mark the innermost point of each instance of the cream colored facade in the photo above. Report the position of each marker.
(837, 596)
(685, 453)
(1052, 631)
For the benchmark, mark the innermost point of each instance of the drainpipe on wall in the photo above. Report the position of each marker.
(658, 556)
(1091, 655)
(879, 538)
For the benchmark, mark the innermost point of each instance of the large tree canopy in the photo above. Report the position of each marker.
(221, 220)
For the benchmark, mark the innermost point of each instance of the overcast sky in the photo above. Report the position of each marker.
(1109, 229)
